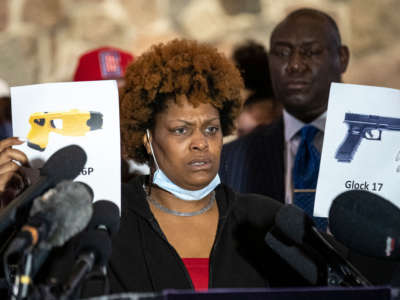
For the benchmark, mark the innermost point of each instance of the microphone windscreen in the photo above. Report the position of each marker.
(69, 208)
(293, 222)
(87, 187)
(105, 213)
(64, 164)
(366, 223)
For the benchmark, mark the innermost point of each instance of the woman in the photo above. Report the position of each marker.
(180, 228)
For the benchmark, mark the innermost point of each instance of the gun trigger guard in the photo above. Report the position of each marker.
(369, 136)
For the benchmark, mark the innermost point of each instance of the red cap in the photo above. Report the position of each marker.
(102, 63)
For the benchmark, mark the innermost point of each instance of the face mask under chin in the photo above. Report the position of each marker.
(161, 180)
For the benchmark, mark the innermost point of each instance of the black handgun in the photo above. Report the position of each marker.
(362, 126)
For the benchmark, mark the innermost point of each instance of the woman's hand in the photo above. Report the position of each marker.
(10, 161)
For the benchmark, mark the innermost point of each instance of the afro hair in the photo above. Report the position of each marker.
(179, 67)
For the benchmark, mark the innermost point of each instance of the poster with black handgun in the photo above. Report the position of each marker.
(361, 148)
(51, 116)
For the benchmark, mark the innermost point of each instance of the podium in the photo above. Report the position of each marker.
(315, 293)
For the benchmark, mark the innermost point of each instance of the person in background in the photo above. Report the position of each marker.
(306, 55)
(107, 63)
(5, 111)
(259, 103)
(281, 160)
(104, 63)
(257, 111)
(12, 180)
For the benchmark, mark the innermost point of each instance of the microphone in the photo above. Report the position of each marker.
(297, 258)
(55, 217)
(366, 223)
(64, 164)
(298, 227)
(94, 245)
(105, 216)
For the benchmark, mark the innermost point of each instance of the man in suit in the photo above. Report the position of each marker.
(306, 55)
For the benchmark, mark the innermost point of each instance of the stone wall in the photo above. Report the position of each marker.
(41, 40)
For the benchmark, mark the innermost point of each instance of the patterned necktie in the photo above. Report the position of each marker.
(305, 174)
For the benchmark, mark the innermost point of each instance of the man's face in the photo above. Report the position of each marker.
(304, 59)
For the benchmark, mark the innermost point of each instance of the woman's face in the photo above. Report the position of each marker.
(187, 143)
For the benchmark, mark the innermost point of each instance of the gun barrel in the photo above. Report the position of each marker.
(378, 122)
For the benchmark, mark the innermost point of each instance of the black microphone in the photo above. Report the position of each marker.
(105, 216)
(296, 225)
(65, 164)
(366, 223)
(306, 264)
(55, 217)
(94, 245)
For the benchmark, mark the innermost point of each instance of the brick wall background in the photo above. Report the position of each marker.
(41, 40)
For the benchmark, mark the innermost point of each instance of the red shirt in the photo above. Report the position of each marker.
(198, 271)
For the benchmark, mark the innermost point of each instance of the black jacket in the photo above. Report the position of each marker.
(143, 260)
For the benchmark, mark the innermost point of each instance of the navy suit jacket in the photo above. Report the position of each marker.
(254, 163)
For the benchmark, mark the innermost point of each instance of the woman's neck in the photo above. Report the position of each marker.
(172, 202)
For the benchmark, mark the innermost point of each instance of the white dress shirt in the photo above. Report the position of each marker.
(292, 127)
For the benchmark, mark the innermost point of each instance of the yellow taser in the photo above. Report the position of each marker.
(68, 123)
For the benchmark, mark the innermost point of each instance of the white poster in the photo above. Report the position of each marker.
(361, 148)
(54, 115)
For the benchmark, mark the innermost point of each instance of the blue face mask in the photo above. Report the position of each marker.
(162, 181)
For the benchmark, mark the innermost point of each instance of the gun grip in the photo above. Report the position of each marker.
(346, 151)
(38, 138)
